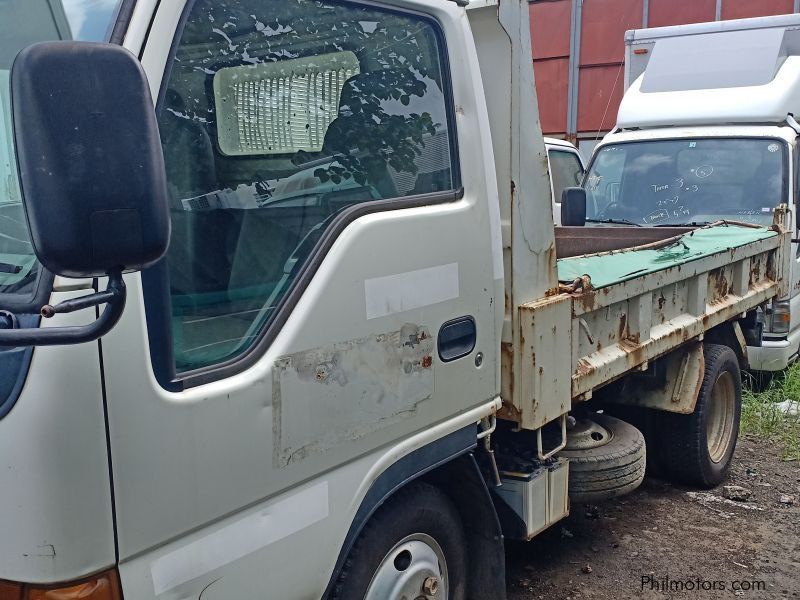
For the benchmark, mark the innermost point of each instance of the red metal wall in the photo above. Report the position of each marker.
(677, 12)
(603, 28)
(741, 9)
(600, 68)
(551, 61)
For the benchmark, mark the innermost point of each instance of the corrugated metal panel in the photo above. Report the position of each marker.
(604, 23)
(599, 97)
(550, 23)
(672, 12)
(552, 77)
(603, 29)
(741, 9)
(550, 29)
(602, 50)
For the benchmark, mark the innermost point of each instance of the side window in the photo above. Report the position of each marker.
(604, 179)
(277, 116)
(566, 171)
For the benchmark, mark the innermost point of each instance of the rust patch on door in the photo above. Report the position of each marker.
(328, 396)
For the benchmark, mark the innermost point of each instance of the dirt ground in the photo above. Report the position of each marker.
(666, 541)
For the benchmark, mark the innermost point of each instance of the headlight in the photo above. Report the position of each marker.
(778, 316)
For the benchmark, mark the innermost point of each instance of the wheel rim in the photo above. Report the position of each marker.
(720, 421)
(587, 435)
(415, 569)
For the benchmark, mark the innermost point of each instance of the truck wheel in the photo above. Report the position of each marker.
(413, 547)
(607, 458)
(697, 449)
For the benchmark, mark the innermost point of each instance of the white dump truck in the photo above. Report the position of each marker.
(357, 391)
(706, 130)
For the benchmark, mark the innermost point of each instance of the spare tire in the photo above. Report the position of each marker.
(607, 458)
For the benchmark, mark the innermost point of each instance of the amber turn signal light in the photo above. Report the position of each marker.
(104, 586)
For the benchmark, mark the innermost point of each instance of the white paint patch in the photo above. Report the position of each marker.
(280, 519)
(407, 291)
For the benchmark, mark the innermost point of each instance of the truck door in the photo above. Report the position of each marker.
(566, 170)
(325, 238)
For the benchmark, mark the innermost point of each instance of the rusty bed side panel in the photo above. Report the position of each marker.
(592, 337)
(546, 345)
(622, 327)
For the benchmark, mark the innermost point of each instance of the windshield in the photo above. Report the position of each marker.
(24, 22)
(676, 182)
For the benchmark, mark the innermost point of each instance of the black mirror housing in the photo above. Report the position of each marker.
(89, 157)
(573, 207)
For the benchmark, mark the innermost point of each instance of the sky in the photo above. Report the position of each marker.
(89, 19)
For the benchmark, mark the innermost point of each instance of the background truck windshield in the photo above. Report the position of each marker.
(24, 22)
(672, 182)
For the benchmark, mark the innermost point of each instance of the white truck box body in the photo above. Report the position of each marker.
(743, 71)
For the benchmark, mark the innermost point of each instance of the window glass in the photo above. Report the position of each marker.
(565, 170)
(278, 115)
(675, 182)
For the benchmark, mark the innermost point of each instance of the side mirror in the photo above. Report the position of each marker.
(573, 206)
(91, 172)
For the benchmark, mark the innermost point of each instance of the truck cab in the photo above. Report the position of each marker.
(706, 131)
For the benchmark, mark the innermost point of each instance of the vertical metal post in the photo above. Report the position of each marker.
(646, 13)
(797, 6)
(718, 14)
(574, 70)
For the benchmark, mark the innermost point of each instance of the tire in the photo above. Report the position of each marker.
(425, 516)
(646, 421)
(610, 470)
(686, 454)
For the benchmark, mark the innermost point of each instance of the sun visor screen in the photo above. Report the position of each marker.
(280, 107)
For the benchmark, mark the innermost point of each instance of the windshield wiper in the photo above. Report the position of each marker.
(9, 268)
(690, 224)
(614, 221)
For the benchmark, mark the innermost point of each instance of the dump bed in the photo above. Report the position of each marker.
(618, 309)
(648, 292)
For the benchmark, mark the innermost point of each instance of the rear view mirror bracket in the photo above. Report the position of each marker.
(114, 297)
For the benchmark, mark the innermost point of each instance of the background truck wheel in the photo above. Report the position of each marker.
(607, 458)
(413, 547)
(697, 449)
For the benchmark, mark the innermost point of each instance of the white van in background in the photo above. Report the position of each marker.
(566, 170)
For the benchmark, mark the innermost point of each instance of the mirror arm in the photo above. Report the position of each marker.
(49, 311)
(113, 297)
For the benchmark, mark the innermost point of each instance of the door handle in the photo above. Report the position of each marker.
(457, 338)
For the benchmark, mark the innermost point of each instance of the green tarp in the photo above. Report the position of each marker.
(614, 267)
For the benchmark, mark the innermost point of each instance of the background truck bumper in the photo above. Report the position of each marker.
(774, 355)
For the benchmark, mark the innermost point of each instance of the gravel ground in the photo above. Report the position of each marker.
(666, 541)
